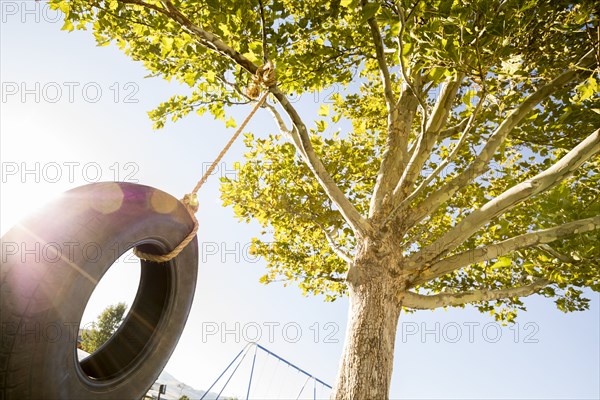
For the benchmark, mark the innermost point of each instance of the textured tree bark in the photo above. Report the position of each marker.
(367, 361)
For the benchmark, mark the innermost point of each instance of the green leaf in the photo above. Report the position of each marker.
(210, 76)
(406, 48)
(256, 48)
(64, 7)
(512, 65)
(323, 110)
(468, 97)
(369, 10)
(587, 89)
(225, 29)
(167, 45)
(321, 125)
(230, 123)
(502, 262)
(445, 7)
(68, 26)
(190, 78)
(436, 74)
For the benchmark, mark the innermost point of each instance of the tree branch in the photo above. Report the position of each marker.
(144, 4)
(333, 278)
(302, 140)
(490, 252)
(480, 164)
(208, 39)
(442, 165)
(562, 257)
(425, 302)
(411, 85)
(279, 119)
(509, 199)
(428, 139)
(336, 249)
(400, 121)
(453, 130)
(400, 116)
(381, 62)
(263, 31)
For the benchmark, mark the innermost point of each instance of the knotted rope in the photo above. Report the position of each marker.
(264, 77)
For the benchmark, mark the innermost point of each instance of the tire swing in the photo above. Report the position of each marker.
(52, 262)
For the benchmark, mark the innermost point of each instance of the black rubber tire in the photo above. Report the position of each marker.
(50, 265)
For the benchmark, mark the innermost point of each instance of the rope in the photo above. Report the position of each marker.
(264, 77)
(162, 258)
(212, 167)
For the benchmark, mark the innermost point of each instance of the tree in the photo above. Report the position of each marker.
(453, 161)
(184, 397)
(108, 321)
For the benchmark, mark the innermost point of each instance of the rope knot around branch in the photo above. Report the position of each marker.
(264, 77)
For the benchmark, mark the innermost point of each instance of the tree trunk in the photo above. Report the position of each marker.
(366, 365)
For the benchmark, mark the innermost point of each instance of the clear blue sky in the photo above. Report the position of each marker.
(64, 119)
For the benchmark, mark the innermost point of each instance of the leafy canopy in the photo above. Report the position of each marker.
(500, 52)
(106, 325)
